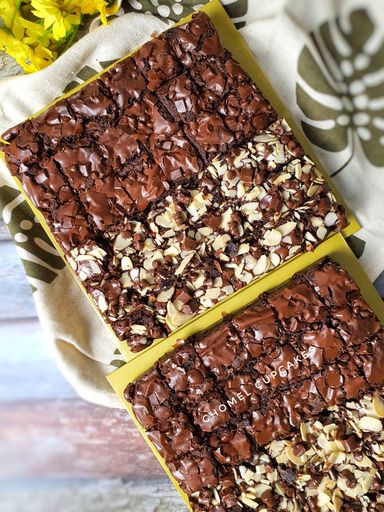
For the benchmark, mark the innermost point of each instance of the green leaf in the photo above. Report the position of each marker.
(373, 148)
(334, 139)
(106, 63)
(312, 108)
(70, 86)
(86, 72)
(117, 363)
(343, 44)
(361, 30)
(311, 73)
(357, 245)
(237, 8)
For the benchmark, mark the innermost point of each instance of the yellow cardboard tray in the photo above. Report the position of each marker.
(335, 247)
(233, 41)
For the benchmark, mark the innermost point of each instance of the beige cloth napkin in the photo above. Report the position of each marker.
(326, 64)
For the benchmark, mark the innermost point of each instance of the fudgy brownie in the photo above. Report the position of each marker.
(278, 407)
(170, 182)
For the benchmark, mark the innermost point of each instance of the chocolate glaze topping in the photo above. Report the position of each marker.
(171, 177)
(214, 403)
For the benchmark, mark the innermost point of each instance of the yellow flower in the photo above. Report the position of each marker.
(8, 9)
(35, 32)
(94, 6)
(54, 17)
(28, 58)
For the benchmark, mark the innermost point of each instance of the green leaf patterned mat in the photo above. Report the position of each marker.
(344, 87)
(327, 66)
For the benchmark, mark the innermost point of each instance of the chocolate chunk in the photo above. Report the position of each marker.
(125, 83)
(356, 321)
(194, 472)
(258, 328)
(57, 124)
(298, 307)
(331, 283)
(268, 424)
(222, 351)
(211, 412)
(373, 365)
(185, 373)
(242, 394)
(92, 105)
(176, 440)
(210, 134)
(301, 402)
(230, 447)
(153, 402)
(195, 40)
(157, 62)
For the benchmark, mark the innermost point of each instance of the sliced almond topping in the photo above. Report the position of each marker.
(72, 263)
(323, 499)
(280, 489)
(272, 237)
(317, 222)
(98, 253)
(199, 281)
(125, 280)
(249, 208)
(248, 502)
(212, 293)
(221, 242)
(138, 329)
(321, 232)
(304, 431)
(102, 303)
(260, 489)
(226, 219)
(281, 178)
(298, 170)
(299, 461)
(265, 137)
(275, 259)
(330, 219)
(312, 190)
(261, 266)
(336, 500)
(126, 263)
(172, 250)
(174, 318)
(166, 295)
(308, 236)
(180, 269)
(369, 424)
(121, 242)
(378, 406)
(286, 228)
(206, 231)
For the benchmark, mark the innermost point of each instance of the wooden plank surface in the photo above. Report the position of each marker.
(15, 289)
(71, 439)
(103, 495)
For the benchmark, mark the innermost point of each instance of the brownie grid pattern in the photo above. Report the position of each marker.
(218, 400)
(170, 183)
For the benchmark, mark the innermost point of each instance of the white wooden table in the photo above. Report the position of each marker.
(57, 452)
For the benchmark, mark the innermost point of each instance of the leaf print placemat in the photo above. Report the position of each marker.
(341, 90)
(326, 63)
